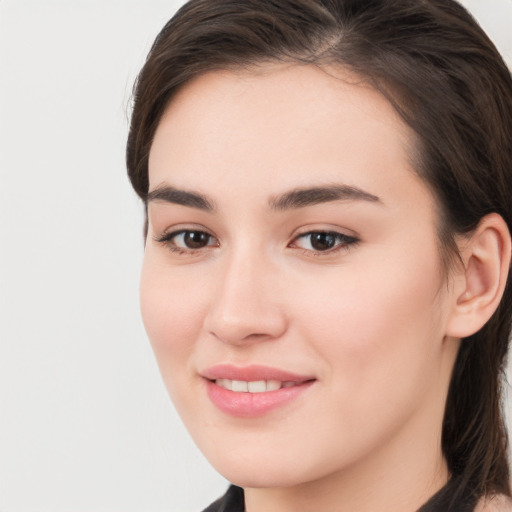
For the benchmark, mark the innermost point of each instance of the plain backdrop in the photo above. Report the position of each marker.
(85, 422)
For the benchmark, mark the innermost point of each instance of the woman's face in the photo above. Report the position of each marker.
(292, 287)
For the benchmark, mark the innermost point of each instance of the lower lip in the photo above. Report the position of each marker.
(250, 405)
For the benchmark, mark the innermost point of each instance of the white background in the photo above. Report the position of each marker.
(85, 423)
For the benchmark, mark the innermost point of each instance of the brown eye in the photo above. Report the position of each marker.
(187, 240)
(195, 239)
(323, 241)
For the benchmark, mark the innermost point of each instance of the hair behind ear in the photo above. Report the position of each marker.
(475, 437)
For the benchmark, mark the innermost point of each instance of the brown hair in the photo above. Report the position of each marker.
(448, 82)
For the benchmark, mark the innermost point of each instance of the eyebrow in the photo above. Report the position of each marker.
(173, 195)
(296, 198)
(302, 197)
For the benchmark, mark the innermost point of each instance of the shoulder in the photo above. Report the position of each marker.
(498, 503)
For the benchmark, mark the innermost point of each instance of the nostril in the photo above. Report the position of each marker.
(237, 319)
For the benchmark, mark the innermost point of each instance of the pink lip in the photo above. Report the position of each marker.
(248, 405)
(252, 373)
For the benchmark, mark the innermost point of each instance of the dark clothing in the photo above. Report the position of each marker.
(232, 501)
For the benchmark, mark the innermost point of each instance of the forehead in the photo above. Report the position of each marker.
(279, 123)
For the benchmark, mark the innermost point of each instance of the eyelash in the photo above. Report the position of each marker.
(168, 240)
(342, 241)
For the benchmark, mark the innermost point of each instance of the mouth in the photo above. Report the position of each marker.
(253, 391)
(254, 386)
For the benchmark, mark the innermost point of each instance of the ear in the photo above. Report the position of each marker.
(480, 281)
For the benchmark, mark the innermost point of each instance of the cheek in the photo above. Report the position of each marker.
(379, 331)
(381, 328)
(172, 314)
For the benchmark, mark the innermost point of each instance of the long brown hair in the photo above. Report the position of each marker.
(448, 82)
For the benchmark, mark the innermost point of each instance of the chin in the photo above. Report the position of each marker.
(267, 470)
(261, 477)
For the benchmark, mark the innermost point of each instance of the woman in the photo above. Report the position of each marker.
(326, 282)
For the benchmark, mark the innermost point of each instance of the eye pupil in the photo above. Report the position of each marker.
(196, 239)
(323, 241)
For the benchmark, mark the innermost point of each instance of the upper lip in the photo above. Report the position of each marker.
(252, 373)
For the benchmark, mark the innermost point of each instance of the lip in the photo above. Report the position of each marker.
(251, 373)
(250, 405)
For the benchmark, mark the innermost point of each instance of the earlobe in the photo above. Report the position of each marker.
(481, 280)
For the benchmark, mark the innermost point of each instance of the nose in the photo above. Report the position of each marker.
(245, 305)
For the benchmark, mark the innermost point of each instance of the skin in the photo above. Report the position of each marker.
(369, 320)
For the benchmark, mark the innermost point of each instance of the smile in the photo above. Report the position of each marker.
(253, 391)
(254, 386)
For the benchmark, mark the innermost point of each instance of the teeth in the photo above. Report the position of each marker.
(273, 385)
(240, 386)
(225, 383)
(256, 386)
